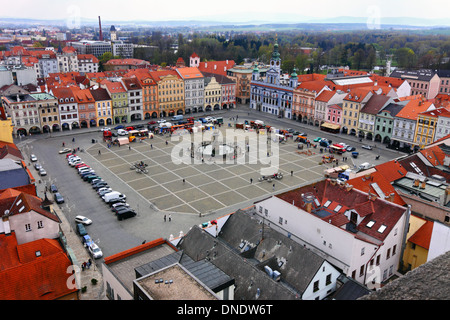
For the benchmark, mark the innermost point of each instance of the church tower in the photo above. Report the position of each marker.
(194, 60)
(293, 81)
(273, 74)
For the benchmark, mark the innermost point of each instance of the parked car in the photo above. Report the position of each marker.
(125, 214)
(119, 204)
(117, 200)
(81, 230)
(317, 139)
(100, 185)
(303, 134)
(105, 191)
(87, 241)
(350, 148)
(366, 146)
(53, 188)
(65, 150)
(119, 127)
(161, 121)
(106, 129)
(33, 158)
(95, 251)
(42, 172)
(121, 207)
(83, 220)
(37, 166)
(58, 198)
(151, 122)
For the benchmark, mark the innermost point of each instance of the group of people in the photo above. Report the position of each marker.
(86, 265)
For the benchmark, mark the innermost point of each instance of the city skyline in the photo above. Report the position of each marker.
(234, 11)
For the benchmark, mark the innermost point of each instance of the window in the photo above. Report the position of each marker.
(361, 271)
(40, 224)
(27, 227)
(362, 251)
(328, 279)
(316, 286)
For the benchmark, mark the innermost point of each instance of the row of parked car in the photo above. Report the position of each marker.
(115, 199)
(53, 189)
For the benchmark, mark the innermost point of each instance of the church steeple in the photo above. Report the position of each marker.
(273, 75)
(275, 53)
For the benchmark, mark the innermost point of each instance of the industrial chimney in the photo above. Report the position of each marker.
(100, 26)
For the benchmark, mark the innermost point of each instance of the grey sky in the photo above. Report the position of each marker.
(253, 9)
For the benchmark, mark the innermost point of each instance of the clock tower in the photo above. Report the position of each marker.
(273, 74)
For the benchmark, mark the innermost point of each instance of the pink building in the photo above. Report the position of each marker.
(334, 114)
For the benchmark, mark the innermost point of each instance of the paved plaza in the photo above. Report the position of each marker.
(207, 186)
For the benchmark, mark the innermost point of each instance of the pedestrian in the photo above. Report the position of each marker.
(129, 147)
(251, 180)
(273, 186)
(167, 142)
(164, 218)
(292, 173)
(170, 217)
(73, 139)
(64, 144)
(151, 146)
(184, 181)
(84, 265)
(99, 152)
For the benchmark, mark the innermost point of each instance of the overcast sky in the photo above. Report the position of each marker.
(254, 9)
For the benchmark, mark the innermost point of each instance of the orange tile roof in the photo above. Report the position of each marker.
(114, 87)
(412, 109)
(157, 75)
(123, 62)
(365, 184)
(26, 276)
(88, 57)
(189, 73)
(218, 67)
(315, 85)
(326, 95)
(422, 237)
(391, 170)
(357, 94)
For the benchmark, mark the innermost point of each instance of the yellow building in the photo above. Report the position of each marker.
(351, 107)
(103, 107)
(418, 243)
(426, 126)
(6, 130)
(170, 92)
(213, 94)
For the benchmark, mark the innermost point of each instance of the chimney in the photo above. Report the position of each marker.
(423, 184)
(416, 183)
(100, 26)
(309, 206)
(6, 224)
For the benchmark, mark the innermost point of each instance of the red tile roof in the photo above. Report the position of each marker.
(325, 96)
(357, 95)
(422, 237)
(413, 108)
(26, 276)
(218, 67)
(384, 213)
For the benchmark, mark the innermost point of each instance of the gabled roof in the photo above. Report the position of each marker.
(326, 95)
(217, 67)
(100, 94)
(422, 75)
(190, 73)
(357, 95)
(17, 202)
(375, 104)
(35, 270)
(158, 75)
(414, 107)
(439, 112)
(315, 86)
(334, 199)
(422, 237)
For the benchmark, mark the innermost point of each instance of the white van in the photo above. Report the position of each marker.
(113, 195)
(364, 166)
(122, 132)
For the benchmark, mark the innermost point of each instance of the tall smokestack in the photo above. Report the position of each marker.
(100, 26)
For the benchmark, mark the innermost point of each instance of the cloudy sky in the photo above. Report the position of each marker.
(252, 9)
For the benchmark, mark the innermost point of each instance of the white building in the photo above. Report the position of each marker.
(443, 126)
(356, 232)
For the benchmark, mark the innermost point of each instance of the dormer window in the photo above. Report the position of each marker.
(382, 228)
(370, 224)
